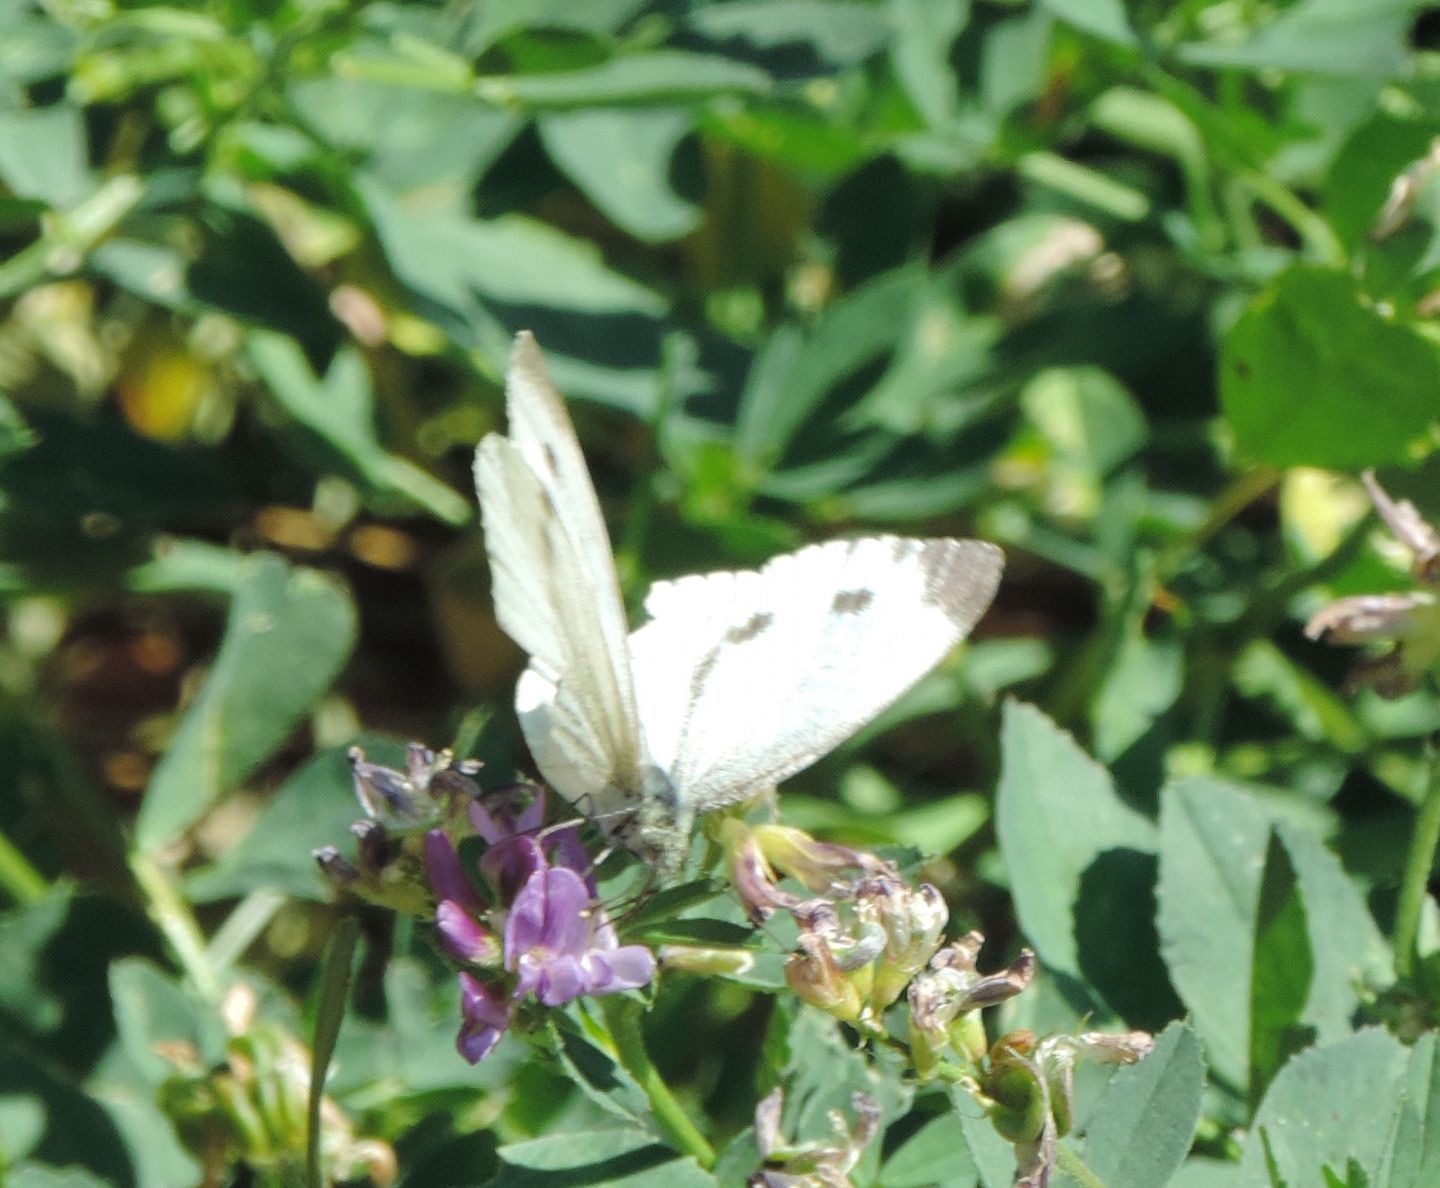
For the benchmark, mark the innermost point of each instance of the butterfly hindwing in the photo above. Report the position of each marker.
(745, 678)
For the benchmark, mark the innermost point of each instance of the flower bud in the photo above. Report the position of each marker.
(696, 959)
(463, 937)
(815, 977)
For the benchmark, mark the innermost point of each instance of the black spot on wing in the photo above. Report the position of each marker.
(552, 462)
(851, 602)
(744, 632)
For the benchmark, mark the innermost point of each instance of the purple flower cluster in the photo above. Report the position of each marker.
(539, 934)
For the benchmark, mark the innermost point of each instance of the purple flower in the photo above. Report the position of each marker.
(485, 1013)
(561, 945)
(419, 794)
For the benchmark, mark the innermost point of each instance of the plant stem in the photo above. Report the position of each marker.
(1244, 491)
(622, 1016)
(24, 883)
(1074, 1167)
(1417, 873)
(173, 917)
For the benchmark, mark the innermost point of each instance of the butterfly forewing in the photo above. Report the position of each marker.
(743, 679)
(556, 594)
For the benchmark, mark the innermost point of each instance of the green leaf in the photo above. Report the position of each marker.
(1325, 36)
(54, 986)
(1104, 18)
(622, 161)
(412, 139)
(1313, 376)
(1281, 969)
(1057, 816)
(1140, 1130)
(622, 1156)
(937, 1154)
(1328, 1107)
(150, 1009)
(792, 376)
(338, 409)
(43, 154)
(288, 634)
(1311, 706)
(1413, 1160)
(334, 981)
(314, 807)
(1213, 843)
(483, 280)
(925, 31)
(838, 33)
(659, 76)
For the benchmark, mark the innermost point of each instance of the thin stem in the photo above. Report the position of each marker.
(1074, 1167)
(1244, 491)
(622, 1016)
(173, 917)
(242, 926)
(1309, 226)
(24, 883)
(1418, 865)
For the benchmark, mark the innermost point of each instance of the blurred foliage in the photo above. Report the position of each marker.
(1131, 288)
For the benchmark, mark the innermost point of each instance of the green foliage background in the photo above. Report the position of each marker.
(1106, 283)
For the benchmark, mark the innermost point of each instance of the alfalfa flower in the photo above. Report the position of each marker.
(759, 856)
(533, 932)
(561, 944)
(821, 1164)
(946, 1000)
(1027, 1086)
(1410, 621)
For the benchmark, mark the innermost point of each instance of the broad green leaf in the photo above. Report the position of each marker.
(1313, 708)
(622, 161)
(1213, 841)
(925, 30)
(1360, 177)
(1328, 1107)
(793, 376)
(1104, 18)
(151, 1009)
(1325, 36)
(1413, 1160)
(338, 410)
(1212, 847)
(1313, 376)
(39, 1175)
(1140, 1130)
(836, 32)
(484, 279)
(656, 77)
(315, 807)
(411, 139)
(1142, 683)
(54, 986)
(43, 154)
(935, 1154)
(288, 634)
(1064, 835)
(624, 1157)
(77, 1131)
(1282, 968)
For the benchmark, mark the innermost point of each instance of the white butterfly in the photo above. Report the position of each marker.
(737, 681)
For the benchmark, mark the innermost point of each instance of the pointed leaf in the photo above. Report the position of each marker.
(1141, 1128)
(289, 632)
